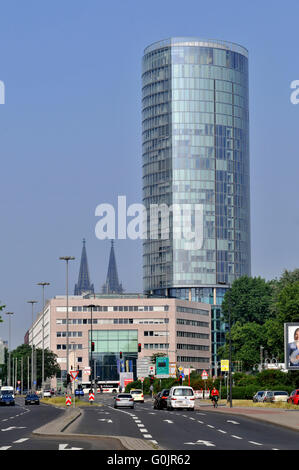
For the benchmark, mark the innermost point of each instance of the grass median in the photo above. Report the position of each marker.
(249, 403)
(60, 401)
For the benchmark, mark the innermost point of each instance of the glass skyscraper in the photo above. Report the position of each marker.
(195, 136)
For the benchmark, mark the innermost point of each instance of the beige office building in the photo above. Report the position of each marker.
(117, 324)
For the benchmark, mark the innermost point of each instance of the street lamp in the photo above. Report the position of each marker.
(230, 348)
(9, 348)
(43, 284)
(67, 259)
(32, 302)
(91, 369)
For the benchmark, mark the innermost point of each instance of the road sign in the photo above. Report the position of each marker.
(180, 368)
(74, 374)
(87, 370)
(141, 379)
(91, 397)
(68, 400)
(162, 366)
(224, 365)
(204, 375)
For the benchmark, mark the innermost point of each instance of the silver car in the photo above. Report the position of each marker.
(258, 396)
(123, 399)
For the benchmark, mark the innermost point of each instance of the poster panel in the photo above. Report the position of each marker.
(291, 346)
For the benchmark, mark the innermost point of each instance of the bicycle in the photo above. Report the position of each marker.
(215, 401)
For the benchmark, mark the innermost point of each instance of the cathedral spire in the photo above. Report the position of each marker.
(112, 285)
(84, 285)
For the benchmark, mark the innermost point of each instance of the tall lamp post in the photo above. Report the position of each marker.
(91, 365)
(9, 349)
(43, 284)
(32, 302)
(67, 259)
(230, 349)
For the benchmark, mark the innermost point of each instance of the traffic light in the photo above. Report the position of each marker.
(152, 380)
(181, 380)
(92, 346)
(120, 355)
(68, 378)
(139, 347)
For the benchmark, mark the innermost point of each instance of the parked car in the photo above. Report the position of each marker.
(123, 399)
(267, 396)
(137, 394)
(47, 393)
(294, 397)
(161, 399)
(79, 392)
(181, 397)
(258, 396)
(7, 398)
(31, 399)
(280, 396)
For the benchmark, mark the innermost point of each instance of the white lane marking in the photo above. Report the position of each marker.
(5, 447)
(107, 420)
(147, 436)
(210, 426)
(201, 422)
(168, 421)
(11, 428)
(154, 442)
(233, 422)
(140, 425)
(64, 447)
(255, 443)
(205, 443)
(223, 432)
(193, 419)
(237, 437)
(21, 440)
(143, 430)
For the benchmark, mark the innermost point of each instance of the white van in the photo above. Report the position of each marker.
(181, 397)
(7, 389)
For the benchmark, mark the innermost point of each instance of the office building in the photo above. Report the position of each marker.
(195, 135)
(177, 328)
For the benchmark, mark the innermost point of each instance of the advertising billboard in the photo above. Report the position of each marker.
(291, 346)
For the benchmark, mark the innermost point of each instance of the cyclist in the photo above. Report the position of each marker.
(215, 396)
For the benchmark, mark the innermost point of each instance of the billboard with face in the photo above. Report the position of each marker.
(291, 342)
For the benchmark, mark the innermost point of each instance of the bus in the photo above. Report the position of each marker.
(102, 386)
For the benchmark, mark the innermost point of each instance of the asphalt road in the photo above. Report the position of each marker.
(18, 422)
(185, 430)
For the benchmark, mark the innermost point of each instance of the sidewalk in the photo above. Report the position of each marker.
(286, 418)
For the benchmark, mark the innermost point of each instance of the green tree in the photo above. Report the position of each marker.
(51, 366)
(246, 341)
(248, 300)
(1, 308)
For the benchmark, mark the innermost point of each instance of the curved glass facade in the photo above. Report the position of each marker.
(196, 152)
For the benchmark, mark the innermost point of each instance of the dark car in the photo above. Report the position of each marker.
(160, 399)
(79, 392)
(31, 399)
(7, 399)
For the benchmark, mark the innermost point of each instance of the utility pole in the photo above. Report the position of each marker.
(43, 284)
(67, 259)
(32, 302)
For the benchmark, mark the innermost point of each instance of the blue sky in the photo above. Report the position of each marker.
(70, 132)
